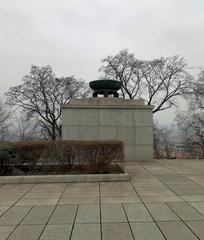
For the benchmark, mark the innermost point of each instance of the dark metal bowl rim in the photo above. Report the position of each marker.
(105, 84)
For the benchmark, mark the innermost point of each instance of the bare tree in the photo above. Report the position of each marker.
(162, 145)
(5, 116)
(192, 131)
(191, 122)
(124, 67)
(41, 96)
(158, 81)
(195, 96)
(26, 129)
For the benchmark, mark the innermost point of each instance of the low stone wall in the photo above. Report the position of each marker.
(111, 118)
(65, 178)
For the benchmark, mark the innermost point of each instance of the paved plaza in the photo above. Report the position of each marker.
(164, 200)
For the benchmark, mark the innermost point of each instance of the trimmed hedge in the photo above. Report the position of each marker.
(8, 154)
(92, 156)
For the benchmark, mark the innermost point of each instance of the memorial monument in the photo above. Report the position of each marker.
(111, 117)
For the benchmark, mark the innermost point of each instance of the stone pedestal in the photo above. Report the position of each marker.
(111, 118)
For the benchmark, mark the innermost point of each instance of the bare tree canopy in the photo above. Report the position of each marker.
(162, 145)
(191, 127)
(27, 129)
(124, 67)
(196, 95)
(41, 96)
(158, 81)
(191, 122)
(4, 121)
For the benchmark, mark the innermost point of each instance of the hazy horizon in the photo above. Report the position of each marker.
(73, 36)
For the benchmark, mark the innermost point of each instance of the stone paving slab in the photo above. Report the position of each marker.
(176, 231)
(163, 200)
(79, 200)
(56, 232)
(3, 209)
(197, 227)
(88, 214)
(146, 231)
(63, 214)
(81, 192)
(23, 232)
(5, 231)
(14, 215)
(137, 212)
(37, 201)
(185, 211)
(42, 195)
(190, 191)
(151, 193)
(19, 187)
(121, 199)
(38, 215)
(149, 186)
(199, 206)
(113, 213)
(181, 185)
(7, 201)
(86, 232)
(118, 231)
(121, 189)
(161, 212)
(193, 198)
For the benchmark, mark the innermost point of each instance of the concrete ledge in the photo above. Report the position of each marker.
(109, 106)
(110, 103)
(65, 178)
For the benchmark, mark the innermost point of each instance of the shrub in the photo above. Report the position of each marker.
(4, 158)
(8, 154)
(97, 156)
(90, 156)
(59, 153)
(30, 153)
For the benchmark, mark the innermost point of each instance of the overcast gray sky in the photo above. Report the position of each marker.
(74, 35)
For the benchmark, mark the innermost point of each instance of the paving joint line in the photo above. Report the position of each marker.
(128, 222)
(51, 213)
(183, 221)
(183, 164)
(178, 195)
(149, 212)
(18, 199)
(182, 175)
(16, 226)
(184, 199)
(174, 211)
(73, 225)
(25, 214)
(178, 215)
(100, 212)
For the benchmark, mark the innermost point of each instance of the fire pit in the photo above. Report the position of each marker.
(105, 87)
